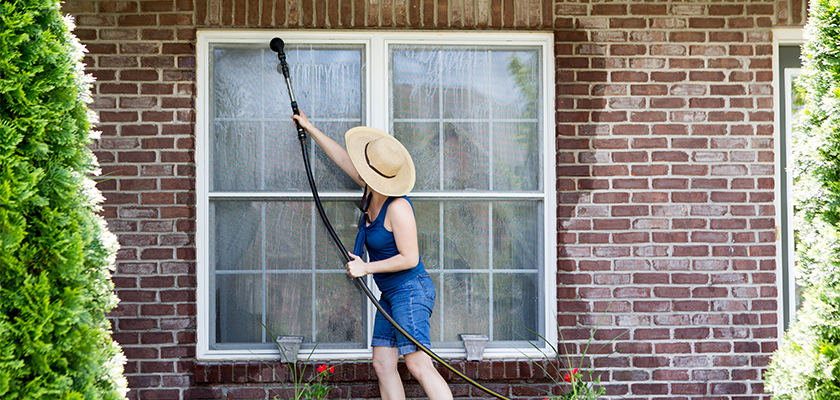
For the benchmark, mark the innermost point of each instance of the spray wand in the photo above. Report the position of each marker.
(277, 46)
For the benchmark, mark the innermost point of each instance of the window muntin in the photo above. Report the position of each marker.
(492, 130)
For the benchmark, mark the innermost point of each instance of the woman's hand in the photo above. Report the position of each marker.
(356, 268)
(303, 121)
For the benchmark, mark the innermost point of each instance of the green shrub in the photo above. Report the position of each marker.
(55, 251)
(807, 365)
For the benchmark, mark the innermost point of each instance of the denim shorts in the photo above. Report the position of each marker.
(410, 304)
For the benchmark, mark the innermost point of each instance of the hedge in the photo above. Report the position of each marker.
(56, 253)
(807, 364)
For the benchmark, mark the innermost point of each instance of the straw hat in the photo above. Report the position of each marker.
(381, 160)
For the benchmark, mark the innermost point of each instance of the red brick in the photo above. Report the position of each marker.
(706, 76)
(649, 170)
(726, 9)
(609, 9)
(649, 9)
(706, 23)
(117, 116)
(677, 76)
(157, 116)
(628, 76)
(669, 156)
(137, 20)
(139, 130)
(649, 389)
(628, 49)
(157, 310)
(648, 90)
(686, 63)
(628, 23)
(88, 20)
(760, 9)
(118, 88)
(648, 116)
(687, 36)
(726, 36)
(138, 75)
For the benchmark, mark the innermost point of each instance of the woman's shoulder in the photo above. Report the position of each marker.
(401, 203)
(400, 207)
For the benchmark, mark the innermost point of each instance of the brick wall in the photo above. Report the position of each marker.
(142, 55)
(791, 12)
(665, 183)
(666, 191)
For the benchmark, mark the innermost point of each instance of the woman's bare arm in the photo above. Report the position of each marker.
(334, 151)
(404, 226)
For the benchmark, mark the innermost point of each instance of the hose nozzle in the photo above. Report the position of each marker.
(277, 46)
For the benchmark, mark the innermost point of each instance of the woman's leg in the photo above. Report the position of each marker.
(385, 364)
(421, 367)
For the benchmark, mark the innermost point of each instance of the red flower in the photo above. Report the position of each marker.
(322, 368)
(574, 371)
(568, 378)
(332, 369)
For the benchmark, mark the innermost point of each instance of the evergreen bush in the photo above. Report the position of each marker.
(55, 251)
(807, 365)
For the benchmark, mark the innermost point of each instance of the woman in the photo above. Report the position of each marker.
(380, 164)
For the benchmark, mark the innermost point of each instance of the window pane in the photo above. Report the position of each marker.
(254, 143)
(466, 235)
(297, 244)
(297, 239)
(517, 235)
(427, 215)
(284, 169)
(236, 235)
(466, 156)
(288, 238)
(239, 310)
(465, 80)
(341, 312)
(237, 80)
(289, 304)
(515, 306)
(422, 140)
(517, 157)
(482, 103)
(462, 306)
(515, 87)
(344, 216)
(327, 79)
(329, 176)
(415, 83)
(236, 158)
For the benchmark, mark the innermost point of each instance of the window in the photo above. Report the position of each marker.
(793, 104)
(787, 65)
(474, 110)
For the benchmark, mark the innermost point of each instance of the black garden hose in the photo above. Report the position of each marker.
(277, 45)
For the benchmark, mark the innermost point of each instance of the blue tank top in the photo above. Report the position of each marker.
(381, 245)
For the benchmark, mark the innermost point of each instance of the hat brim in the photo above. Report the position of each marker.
(401, 184)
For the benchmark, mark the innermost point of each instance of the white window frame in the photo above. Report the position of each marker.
(784, 273)
(376, 98)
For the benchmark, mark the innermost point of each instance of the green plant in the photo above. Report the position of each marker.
(55, 251)
(313, 387)
(306, 383)
(582, 382)
(806, 365)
